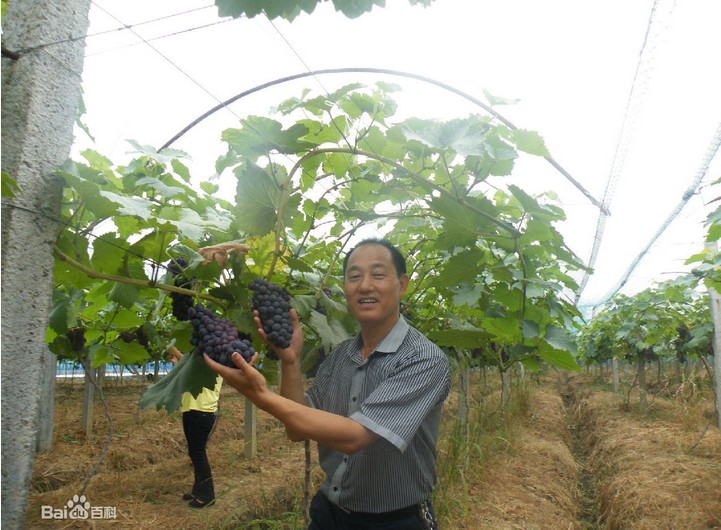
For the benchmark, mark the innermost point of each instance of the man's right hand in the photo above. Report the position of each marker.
(244, 377)
(291, 354)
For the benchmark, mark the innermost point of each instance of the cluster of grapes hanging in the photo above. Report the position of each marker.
(218, 337)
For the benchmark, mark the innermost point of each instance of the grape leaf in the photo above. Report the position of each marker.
(133, 206)
(560, 339)
(191, 374)
(558, 358)
(256, 198)
(464, 136)
(124, 294)
(262, 135)
(530, 142)
(459, 338)
(331, 332)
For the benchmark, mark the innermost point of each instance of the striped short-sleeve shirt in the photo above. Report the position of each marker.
(397, 393)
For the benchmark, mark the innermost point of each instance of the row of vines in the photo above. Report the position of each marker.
(666, 323)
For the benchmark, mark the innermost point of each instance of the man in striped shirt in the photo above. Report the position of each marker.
(374, 407)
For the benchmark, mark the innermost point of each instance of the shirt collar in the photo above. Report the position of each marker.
(393, 340)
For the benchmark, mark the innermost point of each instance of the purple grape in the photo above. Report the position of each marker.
(217, 337)
(273, 304)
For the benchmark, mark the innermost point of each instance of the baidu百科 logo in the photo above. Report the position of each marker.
(78, 508)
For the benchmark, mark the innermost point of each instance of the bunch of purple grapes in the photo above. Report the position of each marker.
(181, 303)
(139, 335)
(273, 304)
(76, 336)
(318, 306)
(217, 337)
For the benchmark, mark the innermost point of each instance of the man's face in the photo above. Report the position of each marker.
(372, 287)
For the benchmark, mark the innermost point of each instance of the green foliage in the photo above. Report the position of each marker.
(290, 9)
(671, 319)
(491, 277)
(709, 259)
(79, 116)
(120, 225)
(9, 186)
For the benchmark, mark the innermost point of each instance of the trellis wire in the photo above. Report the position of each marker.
(700, 174)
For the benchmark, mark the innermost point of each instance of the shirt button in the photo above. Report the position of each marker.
(354, 399)
(345, 459)
(335, 488)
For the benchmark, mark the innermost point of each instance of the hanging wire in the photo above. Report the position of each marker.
(221, 104)
(384, 71)
(224, 104)
(164, 36)
(171, 62)
(124, 27)
(66, 223)
(334, 103)
(324, 89)
(634, 102)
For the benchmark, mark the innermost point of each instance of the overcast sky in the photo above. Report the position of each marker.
(645, 120)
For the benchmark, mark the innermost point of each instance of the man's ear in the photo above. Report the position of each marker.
(404, 283)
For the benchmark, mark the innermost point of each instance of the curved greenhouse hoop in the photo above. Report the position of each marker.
(384, 71)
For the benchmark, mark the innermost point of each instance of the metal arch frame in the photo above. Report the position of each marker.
(384, 71)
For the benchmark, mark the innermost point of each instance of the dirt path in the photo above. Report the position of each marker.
(588, 510)
(661, 469)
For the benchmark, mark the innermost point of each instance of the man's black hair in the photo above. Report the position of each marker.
(398, 260)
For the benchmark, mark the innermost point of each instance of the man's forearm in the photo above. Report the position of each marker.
(291, 382)
(291, 387)
(331, 430)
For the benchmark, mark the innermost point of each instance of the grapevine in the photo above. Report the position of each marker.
(217, 337)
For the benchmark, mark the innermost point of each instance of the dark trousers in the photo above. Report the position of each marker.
(197, 427)
(324, 515)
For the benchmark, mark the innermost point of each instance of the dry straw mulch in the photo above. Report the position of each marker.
(147, 469)
(648, 471)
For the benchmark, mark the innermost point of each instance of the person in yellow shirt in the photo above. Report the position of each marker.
(199, 417)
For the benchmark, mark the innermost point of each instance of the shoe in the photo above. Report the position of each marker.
(197, 503)
(188, 497)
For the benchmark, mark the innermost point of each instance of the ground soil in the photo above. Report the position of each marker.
(572, 454)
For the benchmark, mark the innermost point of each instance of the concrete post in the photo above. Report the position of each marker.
(46, 415)
(715, 308)
(715, 303)
(89, 383)
(40, 94)
(616, 381)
